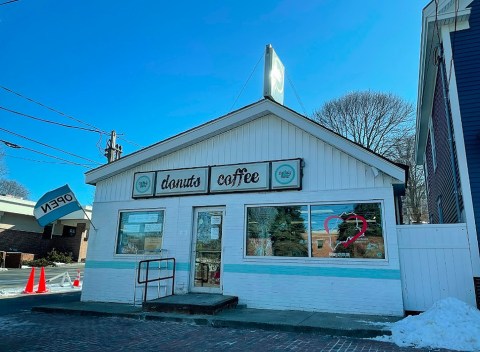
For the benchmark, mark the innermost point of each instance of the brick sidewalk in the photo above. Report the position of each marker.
(28, 331)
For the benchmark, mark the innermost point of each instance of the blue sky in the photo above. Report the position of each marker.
(152, 69)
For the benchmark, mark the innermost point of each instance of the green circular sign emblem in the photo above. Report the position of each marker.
(284, 174)
(143, 184)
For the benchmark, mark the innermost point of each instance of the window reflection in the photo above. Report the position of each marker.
(140, 232)
(277, 231)
(352, 230)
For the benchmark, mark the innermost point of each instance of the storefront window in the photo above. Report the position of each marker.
(140, 232)
(352, 230)
(347, 231)
(277, 231)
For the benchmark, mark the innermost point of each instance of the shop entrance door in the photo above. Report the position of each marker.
(206, 273)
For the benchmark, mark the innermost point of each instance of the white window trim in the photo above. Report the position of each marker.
(432, 145)
(425, 171)
(440, 210)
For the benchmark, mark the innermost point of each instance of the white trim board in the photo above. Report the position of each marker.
(427, 71)
(461, 153)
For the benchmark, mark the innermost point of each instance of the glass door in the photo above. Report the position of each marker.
(207, 250)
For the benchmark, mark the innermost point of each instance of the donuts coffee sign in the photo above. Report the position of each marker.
(262, 176)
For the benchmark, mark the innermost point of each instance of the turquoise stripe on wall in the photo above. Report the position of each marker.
(312, 271)
(269, 270)
(109, 265)
(114, 264)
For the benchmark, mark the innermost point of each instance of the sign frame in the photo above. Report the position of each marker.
(263, 188)
(270, 184)
(206, 169)
(151, 176)
(276, 183)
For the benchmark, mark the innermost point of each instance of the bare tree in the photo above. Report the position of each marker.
(415, 200)
(384, 124)
(3, 169)
(374, 120)
(13, 188)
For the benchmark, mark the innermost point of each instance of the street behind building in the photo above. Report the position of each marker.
(12, 278)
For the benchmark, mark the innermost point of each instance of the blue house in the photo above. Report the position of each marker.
(448, 116)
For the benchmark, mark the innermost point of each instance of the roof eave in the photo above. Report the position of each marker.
(242, 116)
(172, 144)
(347, 146)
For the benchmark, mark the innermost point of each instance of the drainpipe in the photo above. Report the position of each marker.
(450, 138)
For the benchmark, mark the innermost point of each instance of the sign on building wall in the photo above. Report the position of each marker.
(243, 177)
(286, 174)
(143, 183)
(261, 176)
(186, 181)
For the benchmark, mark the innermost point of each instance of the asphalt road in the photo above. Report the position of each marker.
(25, 303)
(18, 277)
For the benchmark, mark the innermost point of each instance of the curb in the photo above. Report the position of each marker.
(216, 322)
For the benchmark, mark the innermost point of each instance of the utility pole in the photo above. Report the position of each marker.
(113, 151)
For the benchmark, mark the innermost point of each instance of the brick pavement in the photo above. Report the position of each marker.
(39, 332)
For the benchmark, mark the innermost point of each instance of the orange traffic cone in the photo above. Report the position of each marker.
(42, 288)
(76, 283)
(31, 278)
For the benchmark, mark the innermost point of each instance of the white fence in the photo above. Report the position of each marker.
(435, 264)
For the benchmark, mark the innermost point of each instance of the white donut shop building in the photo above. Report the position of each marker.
(263, 204)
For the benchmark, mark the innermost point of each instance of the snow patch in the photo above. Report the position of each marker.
(449, 323)
(377, 323)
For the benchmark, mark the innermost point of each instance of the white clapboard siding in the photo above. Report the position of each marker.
(266, 138)
(435, 264)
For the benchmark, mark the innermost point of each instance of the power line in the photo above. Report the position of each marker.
(64, 114)
(8, 2)
(52, 122)
(50, 108)
(248, 79)
(296, 94)
(49, 146)
(133, 143)
(37, 161)
(16, 146)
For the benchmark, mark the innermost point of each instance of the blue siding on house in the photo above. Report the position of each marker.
(440, 177)
(466, 58)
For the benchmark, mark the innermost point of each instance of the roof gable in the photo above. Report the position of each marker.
(238, 118)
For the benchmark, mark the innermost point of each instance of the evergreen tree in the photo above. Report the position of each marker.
(287, 231)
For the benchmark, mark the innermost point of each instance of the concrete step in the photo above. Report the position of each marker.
(191, 303)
